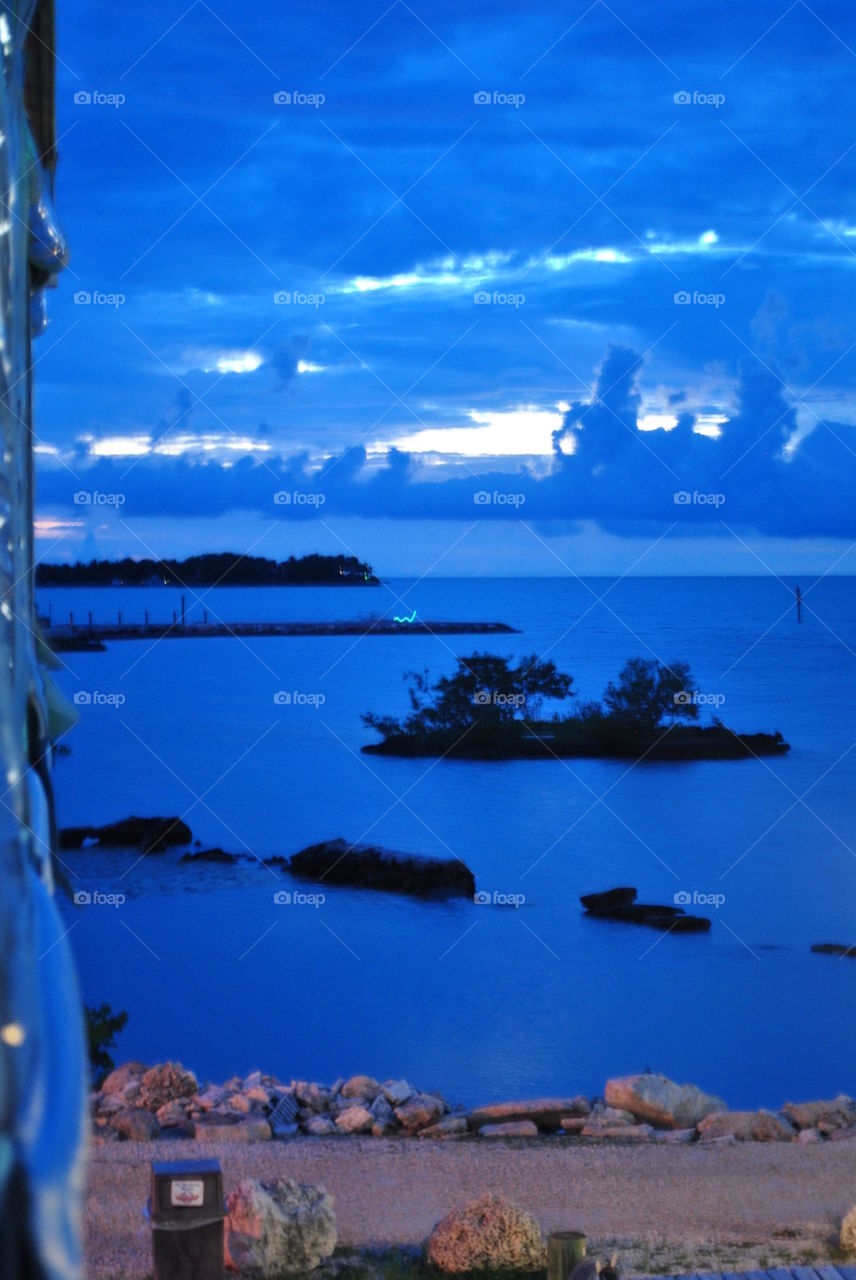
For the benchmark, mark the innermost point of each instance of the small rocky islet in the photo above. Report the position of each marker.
(139, 1103)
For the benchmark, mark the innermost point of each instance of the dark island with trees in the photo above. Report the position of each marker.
(491, 710)
(222, 569)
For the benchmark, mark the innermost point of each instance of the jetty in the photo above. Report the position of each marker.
(92, 636)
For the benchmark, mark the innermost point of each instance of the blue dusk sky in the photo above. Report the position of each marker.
(491, 286)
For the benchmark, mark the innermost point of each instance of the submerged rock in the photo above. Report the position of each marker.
(369, 867)
(620, 904)
(150, 835)
(210, 855)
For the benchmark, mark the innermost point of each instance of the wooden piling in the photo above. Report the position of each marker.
(799, 605)
(564, 1250)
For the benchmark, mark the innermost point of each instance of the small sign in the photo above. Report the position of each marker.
(187, 1195)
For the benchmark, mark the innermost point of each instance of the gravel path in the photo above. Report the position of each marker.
(664, 1207)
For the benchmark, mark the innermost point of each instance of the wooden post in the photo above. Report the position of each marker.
(205, 617)
(799, 605)
(564, 1250)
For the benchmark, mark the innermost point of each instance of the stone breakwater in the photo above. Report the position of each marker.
(140, 1103)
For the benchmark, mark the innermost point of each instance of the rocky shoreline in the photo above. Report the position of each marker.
(137, 1103)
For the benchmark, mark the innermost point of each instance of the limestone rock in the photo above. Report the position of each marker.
(117, 1080)
(449, 1127)
(164, 1083)
(354, 1120)
(848, 1232)
(745, 1126)
(278, 1228)
(837, 1113)
(418, 1112)
(319, 1126)
(243, 1131)
(135, 1126)
(546, 1113)
(490, 1234)
(661, 1102)
(624, 1132)
(360, 1087)
(397, 1092)
(510, 1129)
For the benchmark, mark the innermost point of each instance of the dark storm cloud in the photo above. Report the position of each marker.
(630, 481)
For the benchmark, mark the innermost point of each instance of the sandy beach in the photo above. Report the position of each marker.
(665, 1208)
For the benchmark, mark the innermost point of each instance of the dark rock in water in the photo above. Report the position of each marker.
(609, 899)
(209, 855)
(369, 867)
(150, 835)
(834, 949)
(619, 904)
(276, 861)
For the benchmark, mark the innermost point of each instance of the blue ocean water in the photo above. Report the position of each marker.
(481, 1002)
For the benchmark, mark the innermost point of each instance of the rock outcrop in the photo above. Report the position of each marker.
(369, 867)
(620, 904)
(149, 835)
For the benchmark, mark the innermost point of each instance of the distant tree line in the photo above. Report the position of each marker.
(224, 568)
